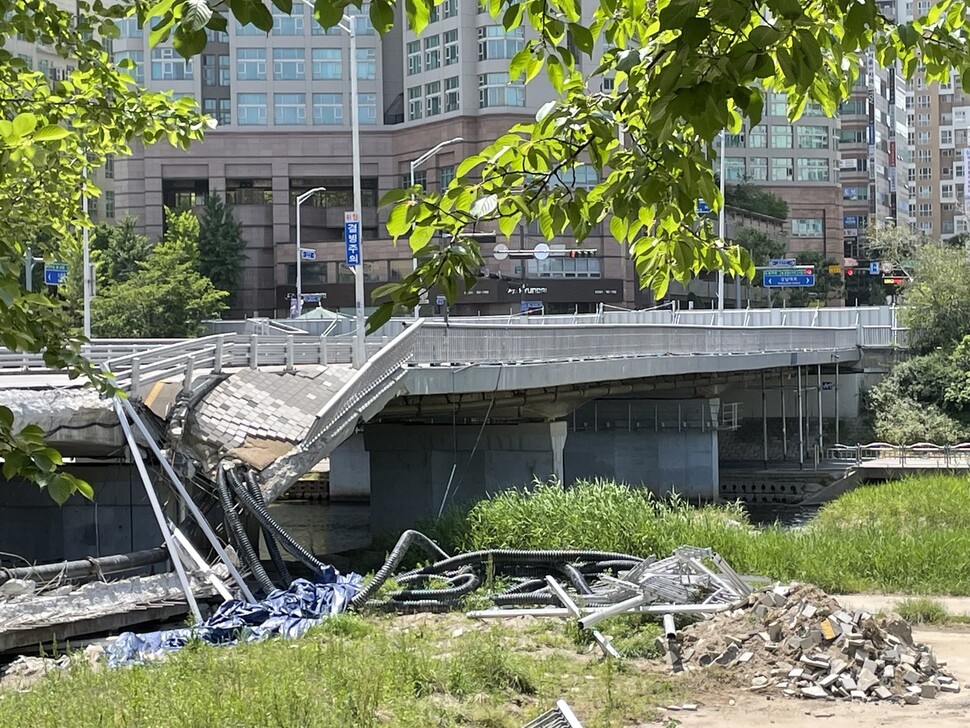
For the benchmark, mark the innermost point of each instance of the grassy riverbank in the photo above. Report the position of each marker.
(909, 536)
(420, 671)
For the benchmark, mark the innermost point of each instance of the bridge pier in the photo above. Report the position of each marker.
(663, 445)
(414, 467)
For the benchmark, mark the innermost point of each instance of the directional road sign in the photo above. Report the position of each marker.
(788, 277)
(352, 238)
(54, 273)
(702, 207)
(782, 262)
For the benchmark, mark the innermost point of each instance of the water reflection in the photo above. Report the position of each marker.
(324, 528)
(786, 516)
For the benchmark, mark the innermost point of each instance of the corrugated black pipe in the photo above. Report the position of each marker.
(93, 566)
(246, 551)
(271, 547)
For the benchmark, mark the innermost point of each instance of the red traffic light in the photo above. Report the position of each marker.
(849, 272)
(582, 253)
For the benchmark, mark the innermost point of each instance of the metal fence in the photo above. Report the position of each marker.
(920, 454)
(465, 343)
(98, 351)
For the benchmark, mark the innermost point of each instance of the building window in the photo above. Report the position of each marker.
(109, 203)
(812, 170)
(777, 104)
(855, 193)
(129, 28)
(494, 89)
(925, 173)
(137, 63)
(367, 108)
(432, 52)
(289, 64)
(287, 24)
(924, 155)
(923, 137)
(414, 57)
(925, 209)
(326, 64)
(813, 108)
(758, 137)
(852, 136)
(216, 36)
(922, 102)
(734, 141)
(367, 64)
(733, 169)
(564, 268)
(415, 103)
(432, 94)
(251, 64)
(451, 47)
(218, 109)
(451, 94)
(248, 30)
(289, 109)
(215, 70)
(780, 137)
(249, 191)
(946, 136)
(449, 9)
(445, 175)
(812, 137)
(167, 65)
(317, 29)
(924, 192)
(758, 168)
(109, 167)
(923, 119)
(328, 109)
(782, 169)
(495, 42)
(251, 109)
(806, 227)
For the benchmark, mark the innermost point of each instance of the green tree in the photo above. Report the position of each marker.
(221, 246)
(755, 199)
(760, 245)
(118, 251)
(167, 297)
(52, 131)
(937, 310)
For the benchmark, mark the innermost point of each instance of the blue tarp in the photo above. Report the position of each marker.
(285, 612)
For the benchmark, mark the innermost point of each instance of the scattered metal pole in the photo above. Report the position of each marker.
(193, 509)
(818, 392)
(784, 418)
(157, 510)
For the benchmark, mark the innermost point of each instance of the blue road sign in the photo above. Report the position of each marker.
(54, 273)
(771, 279)
(873, 267)
(311, 297)
(439, 301)
(702, 207)
(782, 262)
(308, 254)
(352, 241)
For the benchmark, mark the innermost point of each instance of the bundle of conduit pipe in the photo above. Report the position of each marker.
(462, 574)
(455, 576)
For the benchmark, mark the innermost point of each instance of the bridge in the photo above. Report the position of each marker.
(449, 410)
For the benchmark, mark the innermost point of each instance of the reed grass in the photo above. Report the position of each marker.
(909, 536)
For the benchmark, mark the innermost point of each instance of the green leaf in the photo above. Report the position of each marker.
(398, 222)
(51, 133)
(519, 63)
(196, 14)
(618, 228)
(555, 72)
(24, 124)
(60, 488)
(582, 38)
(84, 488)
(6, 418)
(188, 42)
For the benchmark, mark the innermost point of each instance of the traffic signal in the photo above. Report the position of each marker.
(582, 253)
(849, 272)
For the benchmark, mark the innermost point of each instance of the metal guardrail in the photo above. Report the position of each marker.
(466, 343)
(375, 376)
(920, 453)
(98, 351)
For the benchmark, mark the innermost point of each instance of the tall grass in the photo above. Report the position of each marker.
(348, 672)
(909, 536)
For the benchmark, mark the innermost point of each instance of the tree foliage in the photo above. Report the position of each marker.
(118, 251)
(755, 199)
(221, 246)
(761, 246)
(937, 310)
(167, 297)
(51, 132)
(682, 71)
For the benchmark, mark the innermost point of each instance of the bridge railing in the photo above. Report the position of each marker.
(919, 453)
(98, 351)
(461, 343)
(379, 373)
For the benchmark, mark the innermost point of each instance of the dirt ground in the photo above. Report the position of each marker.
(752, 710)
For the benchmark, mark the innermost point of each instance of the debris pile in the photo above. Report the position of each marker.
(797, 640)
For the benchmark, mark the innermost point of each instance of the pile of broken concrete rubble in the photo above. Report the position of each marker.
(797, 640)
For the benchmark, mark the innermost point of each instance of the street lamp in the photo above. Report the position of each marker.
(299, 247)
(414, 165)
(720, 232)
(348, 24)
